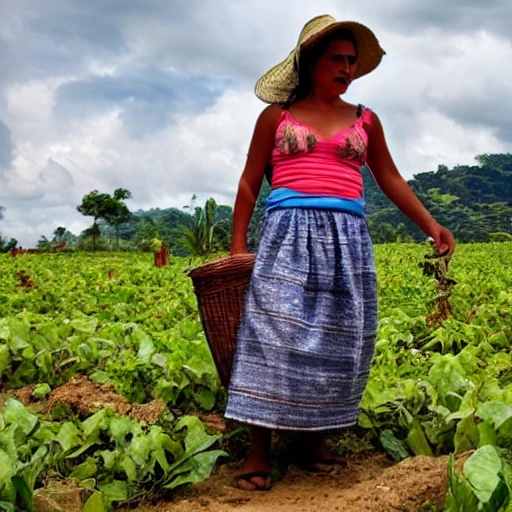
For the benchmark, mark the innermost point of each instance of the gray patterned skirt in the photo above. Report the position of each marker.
(307, 334)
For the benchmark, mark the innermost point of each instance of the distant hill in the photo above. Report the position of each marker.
(472, 201)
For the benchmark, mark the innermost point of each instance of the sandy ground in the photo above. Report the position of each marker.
(368, 484)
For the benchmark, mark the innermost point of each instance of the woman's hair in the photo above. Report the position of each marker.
(309, 56)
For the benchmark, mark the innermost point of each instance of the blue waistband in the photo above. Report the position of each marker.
(288, 198)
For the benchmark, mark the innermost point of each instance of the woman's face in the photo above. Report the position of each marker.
(335, 68)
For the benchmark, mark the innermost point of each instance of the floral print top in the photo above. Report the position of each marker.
(304, 163)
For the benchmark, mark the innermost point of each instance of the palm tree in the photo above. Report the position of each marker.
(199, 236)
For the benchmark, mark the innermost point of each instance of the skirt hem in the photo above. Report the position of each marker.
(272, 426)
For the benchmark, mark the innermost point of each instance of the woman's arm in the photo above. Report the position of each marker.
(388, 178)
(260, 152)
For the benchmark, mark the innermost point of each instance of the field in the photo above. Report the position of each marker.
(107, 383)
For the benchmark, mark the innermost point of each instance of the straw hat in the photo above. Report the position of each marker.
(276, 85)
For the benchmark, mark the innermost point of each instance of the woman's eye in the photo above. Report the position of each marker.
(350, 59)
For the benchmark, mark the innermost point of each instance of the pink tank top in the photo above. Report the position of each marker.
(304, 163)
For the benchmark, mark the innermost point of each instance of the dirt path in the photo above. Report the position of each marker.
(368, 484)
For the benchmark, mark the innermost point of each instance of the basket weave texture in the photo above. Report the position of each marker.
(220, 288)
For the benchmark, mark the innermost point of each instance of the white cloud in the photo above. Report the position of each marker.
(34, 99)
(441, 140)
(69, 69)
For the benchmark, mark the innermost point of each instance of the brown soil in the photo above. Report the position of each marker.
(25, 280)
(368, 484)
(85, 396)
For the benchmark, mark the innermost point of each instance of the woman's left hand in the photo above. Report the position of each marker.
(443, 239)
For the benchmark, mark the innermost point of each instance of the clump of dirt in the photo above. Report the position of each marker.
(59, 496)
(369, 483)
(214, 422)
(86, 396)
(25, 280)
(25, 393)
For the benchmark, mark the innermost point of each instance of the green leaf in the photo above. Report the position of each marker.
(89, 484)
(121, 426)
(160, 457)
(146, 349)
(5, 359)
(7, 468)
(24, 493)
(486, 433)
(196, 439)
(496, 412)
(196, 469)
(364, 420)
(206, 399)
(19, 338)
(8, 443)
(87, 469)
(94, 503)
(139, 449)
(393, 445)
(499, 340)
(6, 506)
(483, 471)
(417, 441)
(117, 490)
(110, 458)
(69, 436)
(95, 423)
(467, 435)
(5, 332)
(460, 496)
(15, 413)
(84, 323)
(41, 390)
(129, 467)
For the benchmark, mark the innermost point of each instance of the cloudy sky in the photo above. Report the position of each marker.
(156, 96)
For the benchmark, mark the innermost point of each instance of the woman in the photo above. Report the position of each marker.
(307, 334)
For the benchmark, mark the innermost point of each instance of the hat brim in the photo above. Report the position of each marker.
(276, 85)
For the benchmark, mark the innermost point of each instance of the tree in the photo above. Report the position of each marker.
(104, 206)
(6, 246)
(120, 214)
(43, 244)
(198, 236)
(59, 234)
(148, 229)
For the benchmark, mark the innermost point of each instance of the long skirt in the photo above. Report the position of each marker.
(307, 334)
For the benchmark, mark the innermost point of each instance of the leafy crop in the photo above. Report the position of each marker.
(137, 330)
(440, 383)
(446, 388)
(122, 458)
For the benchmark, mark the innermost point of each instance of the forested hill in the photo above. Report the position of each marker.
(473, 201)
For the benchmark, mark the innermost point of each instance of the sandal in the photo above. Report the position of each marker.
(244, 481)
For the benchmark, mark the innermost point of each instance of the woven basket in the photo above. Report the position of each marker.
(220, 288)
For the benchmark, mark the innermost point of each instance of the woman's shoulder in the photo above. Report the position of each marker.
(270, 117)
(363, 110)
(272, 112)
(366, 116)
